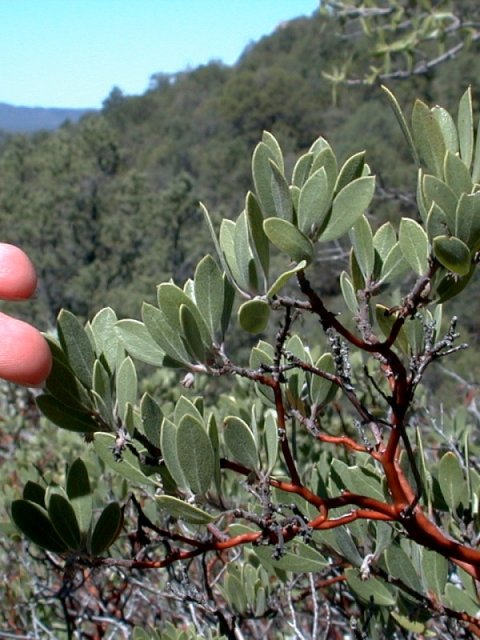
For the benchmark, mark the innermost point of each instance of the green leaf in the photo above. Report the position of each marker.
(282, 279)
(459, 600)
(349, 204)
(301, 170)
(126, 386)
(209, 293)
(260, 246)
(151, 419)
(67, 388)
(168, 446)
(286, 237)
(467, 220)
(451, 285)
(371, 590)
(348, 292)
(80, 494)
(448, 128)
(106, 338)
(271, 440)
(240, 442)
(34, 492)
(34, 522)
(314, 203)
(170, 299)
(476, 162)
(66, 417)
(415, 626)
(402, 122)
(253, 315)
(452, 481)
(107, 528)
(297, 558)
(465, 127)
(401, 567)
(326, 159)
(453, 254)
(164, 334)
(435, 572)
(414, 245)
(428, 138)
(437, 222)
(322, 390)
(457, 175)
(281, 194)
(435, 190)
(394, 265)
(195, 454)
(138, 342)
(362, 241)
(262, 177)
(126, 465)
(244, 258)
(191, 334)
(77, 346)
(180, 509)
(384, 240)
(351, 170)
(63, 518)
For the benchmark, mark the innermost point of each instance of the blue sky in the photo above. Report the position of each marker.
(70, 53)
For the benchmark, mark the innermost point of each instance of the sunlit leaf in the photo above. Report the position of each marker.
(453, 254)
(240, 442)
(180, 509)
(290, 240)
(414, 245)
(349, 204)
(195, 454)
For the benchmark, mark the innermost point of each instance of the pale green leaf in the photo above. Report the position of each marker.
(348, 206)
(314, 203)
(126, 386)
(195, 454)
(414, 245)
(371, 590)
(457, 175)
(180, 509)
(453, 254)
(209, 293)
(126, 464)
(286, 237)
(401, 567)
(253, 315)
(465, 127)
(452, 481)
(428, 138)
(138, 342)
(361, 237)
(240, 442)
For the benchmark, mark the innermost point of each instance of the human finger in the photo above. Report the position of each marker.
(18, 278)
(25, 357)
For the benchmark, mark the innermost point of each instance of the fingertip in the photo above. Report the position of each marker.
(18, 278)
(25, 356)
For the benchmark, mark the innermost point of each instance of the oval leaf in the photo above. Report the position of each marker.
(253, 315)
(180, 509)
(195, 454)
(290, 240)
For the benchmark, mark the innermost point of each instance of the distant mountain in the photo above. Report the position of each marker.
(29, 119)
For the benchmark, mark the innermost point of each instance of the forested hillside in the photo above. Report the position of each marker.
(109, 206)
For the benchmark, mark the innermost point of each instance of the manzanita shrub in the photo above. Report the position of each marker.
(311, 465)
